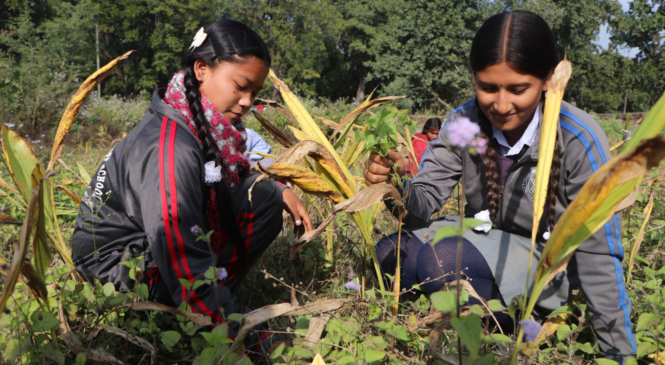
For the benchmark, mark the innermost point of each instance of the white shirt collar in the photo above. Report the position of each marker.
(527, 138)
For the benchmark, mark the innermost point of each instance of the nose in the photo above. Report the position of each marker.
(246, 101)
(502, 104)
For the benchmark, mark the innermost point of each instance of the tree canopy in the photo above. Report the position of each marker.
(332, 49)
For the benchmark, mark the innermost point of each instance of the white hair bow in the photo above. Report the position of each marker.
(198, 39)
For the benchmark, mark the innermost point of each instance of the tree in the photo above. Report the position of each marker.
(642, 27)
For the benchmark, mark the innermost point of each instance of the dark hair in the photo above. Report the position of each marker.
(226, 41)
(432, 123)
(524, 41)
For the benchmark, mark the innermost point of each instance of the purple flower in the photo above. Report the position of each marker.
(461, 132)
(195, 229)
(222, 274)
(352, 286)
(10, 125)
(531, 329)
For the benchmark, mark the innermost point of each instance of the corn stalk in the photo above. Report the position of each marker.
(333, 169)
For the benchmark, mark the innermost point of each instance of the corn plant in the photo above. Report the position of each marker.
(34, 195)
(330, 176)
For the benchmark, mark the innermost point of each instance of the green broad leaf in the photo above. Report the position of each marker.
(235, 317)
(108, 289)
(170, 338)
(43, 321)
(469, 329)
(400, 333)
(185, 283)
(54, 354)
(563, 332)
(210, 273)
(444, 301)
(471, 223)
(385, 326)
(197, 283)
(304, 353)
(372, 355)
(645, 348)
(445, 232)
(477, 309)
(302, 324)
(566, 309)
(378, 341)
(601, 361)
(143, 291)
(646, 321)
(496, 338)
(496, 306)
(221, 330)
(347, 360)
(586, 347)
(375, 312)
(81, 359)
(277, 352)
(631, 361)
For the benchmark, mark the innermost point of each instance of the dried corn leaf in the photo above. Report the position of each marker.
(3, 183)
(594, 206)
(256, 317)
(282, 109)
(276, 132)
(550, 122)
(318, 360)
(28, 228)
(308, 181)
(635, 247)
(72, 195)
(329, 123)
(321, 155)
(8, 219)
(138, 341)
(75, 104)
(198, 319)
(551, 326)
(315, 330)
(306, 124)
(363, 200)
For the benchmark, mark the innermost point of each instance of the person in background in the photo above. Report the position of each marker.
(256, 143)
(420, 141)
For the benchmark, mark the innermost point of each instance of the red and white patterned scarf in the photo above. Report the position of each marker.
(229, 138)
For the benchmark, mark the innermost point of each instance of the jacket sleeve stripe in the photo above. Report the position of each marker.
(469, 104)
(233, 269)
(608, 230)
(165, 204)
(176, 227)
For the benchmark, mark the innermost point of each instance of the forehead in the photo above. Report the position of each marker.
(503, 74)
(252, 68)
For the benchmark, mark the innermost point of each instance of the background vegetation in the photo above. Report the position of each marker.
(324, 49)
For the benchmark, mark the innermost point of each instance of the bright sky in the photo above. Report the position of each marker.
(604, 37)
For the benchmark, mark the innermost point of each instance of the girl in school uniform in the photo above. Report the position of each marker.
(513, 56)
(180, 174)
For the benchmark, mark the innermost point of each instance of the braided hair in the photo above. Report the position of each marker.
(226, 41)
(524, 41)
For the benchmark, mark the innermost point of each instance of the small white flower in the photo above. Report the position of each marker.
(213, 173)
(485, 217)
(198, 39)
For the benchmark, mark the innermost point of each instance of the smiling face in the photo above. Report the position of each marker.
(232, 86)
(508, 98)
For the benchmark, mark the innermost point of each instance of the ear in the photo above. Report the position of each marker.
(201, 69)
(548, 79)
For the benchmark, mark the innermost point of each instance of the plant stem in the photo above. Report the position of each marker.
(459, 248)
(398, 271)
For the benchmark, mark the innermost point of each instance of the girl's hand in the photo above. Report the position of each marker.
(297, 210)
(378, 168)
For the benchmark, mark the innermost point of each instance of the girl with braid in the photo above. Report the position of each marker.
(513, 56)
(182, 173)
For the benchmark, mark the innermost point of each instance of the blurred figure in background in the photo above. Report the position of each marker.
(420, 141)
(256, 143)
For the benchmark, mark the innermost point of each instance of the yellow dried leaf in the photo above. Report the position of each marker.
(276, 132)
(72, 195)
(635, 247)
(308, 181)
(318, 360)
(75, 104)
